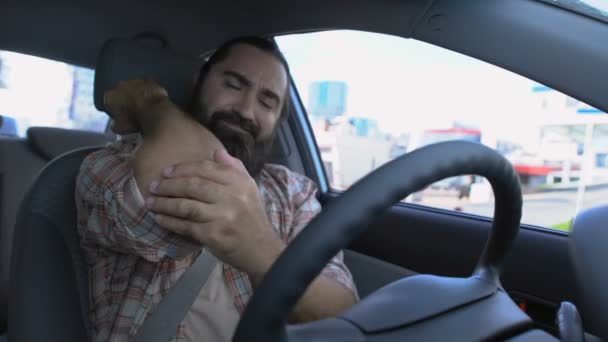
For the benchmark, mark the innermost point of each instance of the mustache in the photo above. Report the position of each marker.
(235, 119)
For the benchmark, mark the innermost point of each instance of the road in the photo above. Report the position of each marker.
(543, 209)
(549, 208)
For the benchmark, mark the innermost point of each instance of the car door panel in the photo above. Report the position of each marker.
(371, 273)
(537, 272)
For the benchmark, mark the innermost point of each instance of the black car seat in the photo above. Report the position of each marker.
(588, 242)
(48, 287)
(20, 160)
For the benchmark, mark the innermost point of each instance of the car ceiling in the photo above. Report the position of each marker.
(553, 46)
(74, 30)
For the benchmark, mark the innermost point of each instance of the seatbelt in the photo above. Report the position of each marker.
(162, 324)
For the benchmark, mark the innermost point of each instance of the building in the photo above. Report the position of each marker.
(432, 136)
(327, 99)
(351, 147)
(573, 143)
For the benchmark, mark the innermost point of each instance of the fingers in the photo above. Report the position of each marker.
(194, 188)
(182, 208)
(151, 89)
(206, 169)
(205, 234)
(180, 226)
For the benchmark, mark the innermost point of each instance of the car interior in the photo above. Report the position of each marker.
(422, 273)
(22, 159)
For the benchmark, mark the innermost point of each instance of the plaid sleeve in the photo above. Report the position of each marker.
(306, 208)
(112, 212)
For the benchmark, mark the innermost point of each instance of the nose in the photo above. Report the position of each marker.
(246, 105)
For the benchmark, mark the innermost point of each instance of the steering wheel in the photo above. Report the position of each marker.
(422, 307)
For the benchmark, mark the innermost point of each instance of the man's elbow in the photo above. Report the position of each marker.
(327, 300)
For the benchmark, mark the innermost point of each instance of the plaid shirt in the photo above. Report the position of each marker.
(133, 262)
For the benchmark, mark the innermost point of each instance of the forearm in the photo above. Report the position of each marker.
(170, 136)
(324, 298)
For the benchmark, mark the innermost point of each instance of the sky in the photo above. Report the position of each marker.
(407, 84)
(599, 4)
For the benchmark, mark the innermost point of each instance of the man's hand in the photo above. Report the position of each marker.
(217, 204)
(126, 103)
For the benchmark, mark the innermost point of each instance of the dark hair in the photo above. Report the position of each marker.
(222, 52)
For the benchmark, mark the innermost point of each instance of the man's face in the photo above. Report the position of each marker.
(241, 101)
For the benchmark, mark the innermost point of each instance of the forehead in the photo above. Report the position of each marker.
(257, 65)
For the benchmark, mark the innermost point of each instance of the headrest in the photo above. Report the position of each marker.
(50, 142)
(124, 59)
(8, 126)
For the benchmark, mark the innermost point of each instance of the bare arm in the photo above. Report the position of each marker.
(170, 136)
(232, 222)
(324, 298)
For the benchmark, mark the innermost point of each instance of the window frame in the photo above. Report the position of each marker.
(306, 141)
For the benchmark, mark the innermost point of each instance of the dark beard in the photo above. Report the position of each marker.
(243, 145)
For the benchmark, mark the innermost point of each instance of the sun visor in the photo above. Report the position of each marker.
(125, 59)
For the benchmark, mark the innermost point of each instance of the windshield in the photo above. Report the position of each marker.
(594, 8)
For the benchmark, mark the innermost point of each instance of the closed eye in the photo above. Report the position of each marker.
(269, 99)
(235, 80)
(233, 84)
(266, 104)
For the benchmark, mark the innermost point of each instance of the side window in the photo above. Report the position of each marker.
(40, 92)
(387, 96)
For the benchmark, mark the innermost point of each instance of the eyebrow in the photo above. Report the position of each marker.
(244, 80)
